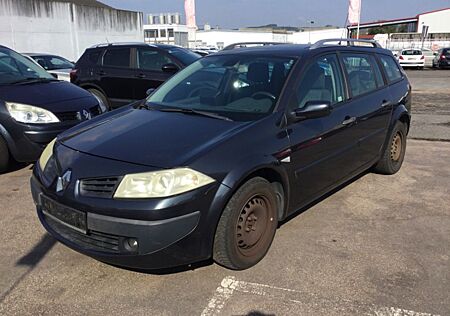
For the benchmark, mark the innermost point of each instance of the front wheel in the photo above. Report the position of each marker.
(394, 153)
(247, 226)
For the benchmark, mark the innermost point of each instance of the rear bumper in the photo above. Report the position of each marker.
(412, 64)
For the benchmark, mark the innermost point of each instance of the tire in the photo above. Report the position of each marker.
(4, 155)
(102, 100)
(247, 226)
(394, 153)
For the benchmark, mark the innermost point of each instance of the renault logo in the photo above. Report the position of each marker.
(84, 115)
(63, 181)
(87, 115)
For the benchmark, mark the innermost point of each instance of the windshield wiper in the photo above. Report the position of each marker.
(195, 112)
(32, 80)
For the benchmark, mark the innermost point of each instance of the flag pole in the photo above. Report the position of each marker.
(359, 21)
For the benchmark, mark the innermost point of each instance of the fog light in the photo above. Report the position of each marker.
(131, 244)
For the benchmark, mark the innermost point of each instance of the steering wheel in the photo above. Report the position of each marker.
(263, 94)
(194, 92)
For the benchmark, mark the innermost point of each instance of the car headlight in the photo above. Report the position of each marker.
(162, 183)
(46, 154)
(30, 114)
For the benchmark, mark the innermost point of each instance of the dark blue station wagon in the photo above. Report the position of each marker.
(210, 163)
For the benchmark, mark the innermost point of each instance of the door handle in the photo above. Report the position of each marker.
(386, 104)
(349, 120)
(141, 76)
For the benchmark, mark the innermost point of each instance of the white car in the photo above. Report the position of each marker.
(412, 58)
(58, 66)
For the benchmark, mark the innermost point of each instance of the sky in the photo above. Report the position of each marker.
(241, 13)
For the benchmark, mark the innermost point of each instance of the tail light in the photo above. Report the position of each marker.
(73, 75)
(443, 56)
(401, 57)
(422, 58)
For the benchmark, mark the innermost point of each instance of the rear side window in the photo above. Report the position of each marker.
(117, 57)
(363, 73)
(90, 57)
(390, 66)
(322, 81)
(94, 56)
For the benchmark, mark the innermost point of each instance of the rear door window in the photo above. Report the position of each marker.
(322, 81)
(390, 66)
(363, 73)
(117, 57)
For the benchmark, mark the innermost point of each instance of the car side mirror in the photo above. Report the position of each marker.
(150, 91)
(435, 53)
(170, 68)
(312, 110)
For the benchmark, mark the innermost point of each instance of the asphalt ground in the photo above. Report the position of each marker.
(378, 246)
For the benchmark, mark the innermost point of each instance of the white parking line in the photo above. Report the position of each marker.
(230, 285)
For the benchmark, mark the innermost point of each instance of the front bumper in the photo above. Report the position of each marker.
(180, 234)
(26, 142)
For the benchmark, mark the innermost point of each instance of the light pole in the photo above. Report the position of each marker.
(311, 23)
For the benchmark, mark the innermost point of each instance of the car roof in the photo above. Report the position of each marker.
(296, 50)
(38, 54)
(134, 44)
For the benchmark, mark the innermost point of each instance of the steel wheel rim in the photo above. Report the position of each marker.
(396, 147)
(253, 225)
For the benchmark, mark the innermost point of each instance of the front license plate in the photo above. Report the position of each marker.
(65, 215)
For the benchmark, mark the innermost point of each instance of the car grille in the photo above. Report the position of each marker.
(91, 241)
(99, 187)
(77, 116)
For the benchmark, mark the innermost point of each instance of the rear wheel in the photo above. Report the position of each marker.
(101, 99)
(392, 159)
(4, 155)
(247, 226)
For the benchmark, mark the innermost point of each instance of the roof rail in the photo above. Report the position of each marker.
(119, 44)
(349, 41)
(250, 44)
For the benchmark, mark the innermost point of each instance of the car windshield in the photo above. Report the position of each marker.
(239, 87)
(16, 68)
(411, 52)
(53, 62)
(185, 56)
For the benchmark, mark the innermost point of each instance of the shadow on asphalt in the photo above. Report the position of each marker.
(167, 271)
(32, 258)
(324, 197)
(15, 166)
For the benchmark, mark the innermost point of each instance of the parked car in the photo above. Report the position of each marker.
(118, 74)
(56, 65)
(442, 58)
(35, 107)
(200, 52)
(211, 162)
(412, 58)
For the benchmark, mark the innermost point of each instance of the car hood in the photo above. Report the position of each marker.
(42, 94)
(151, 138)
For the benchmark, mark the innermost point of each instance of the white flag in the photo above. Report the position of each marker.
(354, 11)
(189, 8)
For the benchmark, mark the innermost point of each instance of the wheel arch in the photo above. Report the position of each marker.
(88, 86)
